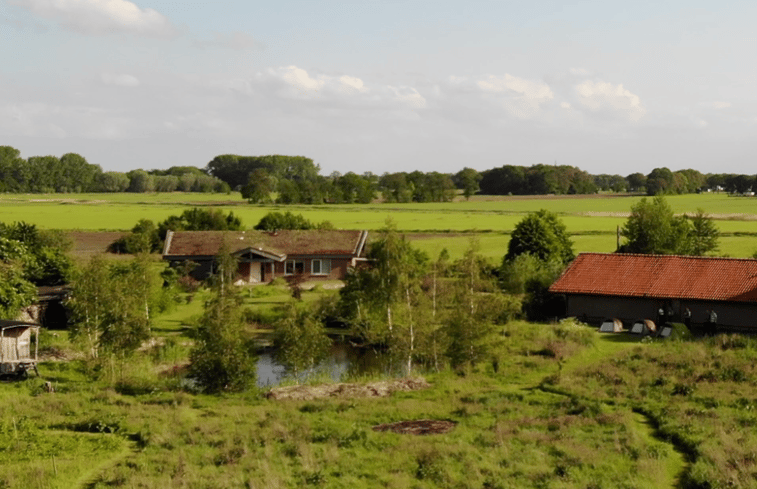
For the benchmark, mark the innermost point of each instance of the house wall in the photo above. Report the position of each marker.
(339, 268)
(629, 309)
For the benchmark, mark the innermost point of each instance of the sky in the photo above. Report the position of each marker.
(384, 86)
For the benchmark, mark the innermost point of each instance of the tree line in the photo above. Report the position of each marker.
(297, 180)
(71, 173)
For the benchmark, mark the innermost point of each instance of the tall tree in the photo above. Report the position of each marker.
(543, 235)
(222, 358)
(468, 180)
(470, 325)
(90, 300)
(653, 228)
(260, 185)
(703, 234)
(382, 300)
(301, 341)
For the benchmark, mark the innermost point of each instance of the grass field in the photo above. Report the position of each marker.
(565, 407)
(591, 221)
(556, 406)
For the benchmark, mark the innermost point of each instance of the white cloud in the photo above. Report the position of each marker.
(408, 96)
(299, 79)
(122, 80)
(101, 16)
(530, 90)
(352, 84)
(520, 97)
(339, 92)
(601, 96)
(565, 105)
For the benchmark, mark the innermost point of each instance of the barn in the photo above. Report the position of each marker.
(634, 287)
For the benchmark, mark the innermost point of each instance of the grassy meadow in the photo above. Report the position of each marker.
(554, 406)
(592, 221)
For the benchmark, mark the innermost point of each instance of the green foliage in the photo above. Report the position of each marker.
(652, 228)
(300, 340)
(542, 235)
(235, 170)
(197, 219)
(110, 306)
(535, 180)
(467, 179)
(287, 220)
(516, 274)
(41, 254)
(144, 238)
(382, 302)
(260, 186)
(475, 308)
(15, 291)
(703, 234)
(222, 359)
(352, 189)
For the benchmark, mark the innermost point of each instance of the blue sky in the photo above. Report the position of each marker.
(610, 87)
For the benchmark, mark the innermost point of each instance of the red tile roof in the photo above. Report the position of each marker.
(281, 243)
(660, 276)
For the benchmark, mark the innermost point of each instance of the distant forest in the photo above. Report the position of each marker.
(297, 180)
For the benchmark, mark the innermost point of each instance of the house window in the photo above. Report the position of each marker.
(294, 266)
(320, 266)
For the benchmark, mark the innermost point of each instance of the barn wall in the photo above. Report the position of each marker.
(629, 309)
(597, 309)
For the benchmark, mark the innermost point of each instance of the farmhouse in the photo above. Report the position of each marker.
(263, 255)
(635, 287)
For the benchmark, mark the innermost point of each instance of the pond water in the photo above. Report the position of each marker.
(344, 359)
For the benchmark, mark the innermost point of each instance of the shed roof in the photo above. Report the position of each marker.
(278, 243)
(660, 276)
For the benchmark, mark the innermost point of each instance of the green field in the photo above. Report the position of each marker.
(558, 405)
(552, 406)
(591, 221)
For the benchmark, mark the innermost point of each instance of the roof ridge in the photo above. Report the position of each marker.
(661, 255)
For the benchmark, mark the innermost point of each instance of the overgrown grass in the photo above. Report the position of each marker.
(509, 433)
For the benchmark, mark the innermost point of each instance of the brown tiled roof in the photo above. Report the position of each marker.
(660, 276)
(280, 243)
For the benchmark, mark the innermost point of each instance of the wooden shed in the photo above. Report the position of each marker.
(17, 355)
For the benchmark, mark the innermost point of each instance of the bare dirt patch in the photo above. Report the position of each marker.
(344, 390)
(418, 427)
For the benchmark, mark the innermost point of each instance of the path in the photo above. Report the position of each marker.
(607, 346)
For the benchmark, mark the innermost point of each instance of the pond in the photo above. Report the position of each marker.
(344, 359)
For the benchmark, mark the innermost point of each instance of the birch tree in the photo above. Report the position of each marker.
(383, 299)
(475, 306)
(301, 341)
(222, 359)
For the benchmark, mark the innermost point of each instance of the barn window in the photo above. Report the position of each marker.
(294, 266)
(320, 266)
